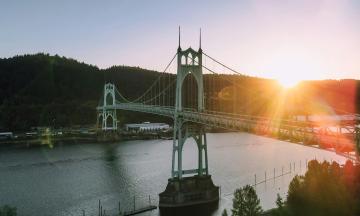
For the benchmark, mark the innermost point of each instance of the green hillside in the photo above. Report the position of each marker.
(44, 90)
(51, 90)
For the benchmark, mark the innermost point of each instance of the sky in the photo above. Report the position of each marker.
(297, 39)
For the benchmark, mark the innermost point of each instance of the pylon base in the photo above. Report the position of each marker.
(189, 191)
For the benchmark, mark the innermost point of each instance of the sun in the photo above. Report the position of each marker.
(287, 82)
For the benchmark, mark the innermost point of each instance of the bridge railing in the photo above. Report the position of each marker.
(308, 126)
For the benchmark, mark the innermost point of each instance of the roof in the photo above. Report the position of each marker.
(147, 125)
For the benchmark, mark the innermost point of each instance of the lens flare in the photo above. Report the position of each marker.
(287, 82)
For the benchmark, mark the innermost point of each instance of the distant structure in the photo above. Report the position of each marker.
(6, 135)
(147, 127)
(107, 116)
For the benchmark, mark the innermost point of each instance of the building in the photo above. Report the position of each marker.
(147, 127)
(6, 135)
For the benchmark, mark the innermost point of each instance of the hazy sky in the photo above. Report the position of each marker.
(307, 39)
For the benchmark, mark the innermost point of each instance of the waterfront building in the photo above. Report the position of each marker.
(147, 127)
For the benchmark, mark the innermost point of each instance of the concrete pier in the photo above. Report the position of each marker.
(189, 191)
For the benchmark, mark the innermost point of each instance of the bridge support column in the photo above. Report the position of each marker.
(107, 116)
(183, 131)
(182, 189)
(107, 122)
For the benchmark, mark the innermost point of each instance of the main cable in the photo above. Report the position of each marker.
(154, 83)
(223, 65)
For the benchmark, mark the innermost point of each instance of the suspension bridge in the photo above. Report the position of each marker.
(190, 97)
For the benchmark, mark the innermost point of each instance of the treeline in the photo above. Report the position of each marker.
(256, 96)
(7, 211)
(326, 189)
(44, 90)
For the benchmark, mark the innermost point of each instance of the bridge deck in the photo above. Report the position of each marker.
(317, 132)
(228, 120)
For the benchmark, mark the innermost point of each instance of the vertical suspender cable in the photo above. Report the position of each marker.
(170, 89)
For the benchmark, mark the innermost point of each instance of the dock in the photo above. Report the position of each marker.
(134, 211)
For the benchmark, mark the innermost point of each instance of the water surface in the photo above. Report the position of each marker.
(68, 179)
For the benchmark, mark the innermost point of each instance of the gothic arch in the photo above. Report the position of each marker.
(183, 60)
(109, 121)
(190, 148)
(190, 91)
(100, 120)
(109, 99)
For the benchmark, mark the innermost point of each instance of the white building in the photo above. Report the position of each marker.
(6, 135)
(147, 127)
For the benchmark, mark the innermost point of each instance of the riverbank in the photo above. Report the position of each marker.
(52, 141)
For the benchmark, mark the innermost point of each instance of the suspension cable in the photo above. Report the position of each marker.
(223, 65)
(154, 83)
(163, 91)
(121, 96)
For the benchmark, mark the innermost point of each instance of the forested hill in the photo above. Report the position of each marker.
(40, 89)
(44, 90)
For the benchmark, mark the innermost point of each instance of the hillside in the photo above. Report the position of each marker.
(44, 90)
(51, 90)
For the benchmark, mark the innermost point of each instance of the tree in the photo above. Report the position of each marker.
(325, 190)
(279, 202)
(224, 213)
(281, 207)
(246, 202)
(7, 211)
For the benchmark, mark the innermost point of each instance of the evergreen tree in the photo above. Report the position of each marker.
(281, 208)
(224, 213)
(246, 202)
(7, 211)
(325, 190)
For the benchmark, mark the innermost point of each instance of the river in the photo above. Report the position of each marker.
(67, 179)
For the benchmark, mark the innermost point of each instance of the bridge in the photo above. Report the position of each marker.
(189, 98)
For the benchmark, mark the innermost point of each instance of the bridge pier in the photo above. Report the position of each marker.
(191, 190)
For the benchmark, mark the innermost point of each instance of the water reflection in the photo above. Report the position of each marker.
(112, 168)
(110, 153)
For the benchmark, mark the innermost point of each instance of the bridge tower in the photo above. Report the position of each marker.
(198, 188)
(107, 116)
(189, 63)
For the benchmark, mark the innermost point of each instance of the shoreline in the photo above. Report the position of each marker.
(68, 140)
(101, 138)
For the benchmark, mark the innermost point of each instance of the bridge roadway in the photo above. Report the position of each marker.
(309, 131)
(215, 119)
